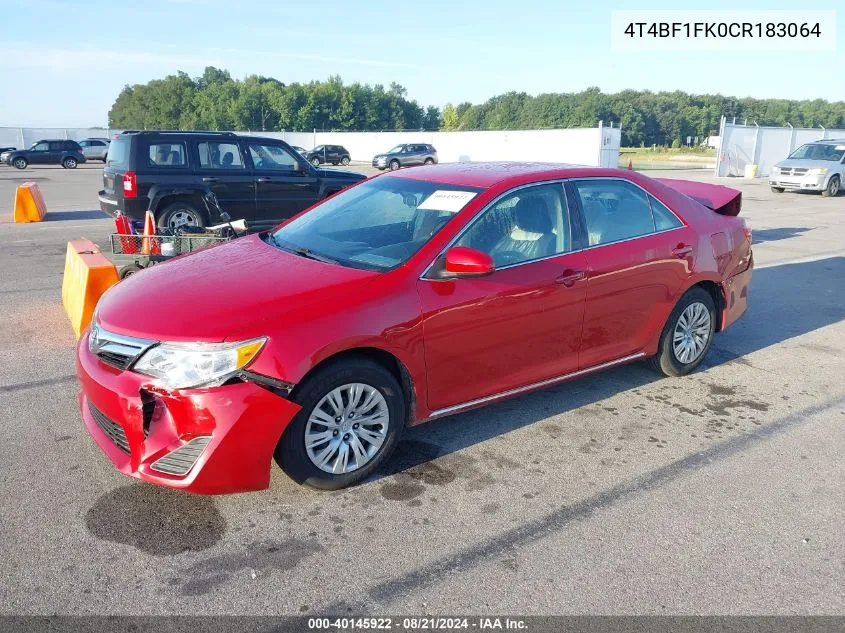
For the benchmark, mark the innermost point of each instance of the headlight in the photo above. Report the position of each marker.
(818, 171)
(185, 365)
(775, 170)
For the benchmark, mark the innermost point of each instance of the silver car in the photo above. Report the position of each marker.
(95, 148)
(817, 166)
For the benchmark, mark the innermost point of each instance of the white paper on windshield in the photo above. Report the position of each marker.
(838, 147)
(451, 201)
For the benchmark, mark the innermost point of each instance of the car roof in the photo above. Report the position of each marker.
(827, 141)
(486, 175)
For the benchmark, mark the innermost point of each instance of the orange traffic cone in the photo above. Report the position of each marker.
(630, 165)
(149, 246)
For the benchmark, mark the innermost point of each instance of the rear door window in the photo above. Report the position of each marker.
(56, 146)
(214, 155)
(613, 209)
(167, 155)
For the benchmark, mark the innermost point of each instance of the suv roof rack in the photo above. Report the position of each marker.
(204, 132)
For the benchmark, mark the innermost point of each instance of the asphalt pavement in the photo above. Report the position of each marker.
(621, 493)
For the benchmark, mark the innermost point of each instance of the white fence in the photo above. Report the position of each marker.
(585, 146)
(743, 145)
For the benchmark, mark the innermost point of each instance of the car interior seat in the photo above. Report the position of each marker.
(228, 159)
(531, 236)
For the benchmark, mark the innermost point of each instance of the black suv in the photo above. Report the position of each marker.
(334, 154)
(189, 178)
(68, 154)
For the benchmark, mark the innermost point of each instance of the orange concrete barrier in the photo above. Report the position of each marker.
(29, 205)
(88, 274)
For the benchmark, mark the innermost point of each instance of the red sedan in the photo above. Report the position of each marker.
(410, 296)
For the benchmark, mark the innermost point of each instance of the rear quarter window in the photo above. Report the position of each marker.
(167, 155)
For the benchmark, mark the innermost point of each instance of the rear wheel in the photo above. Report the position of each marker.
(429, 161)
(69, 163)
(344, 161)
(777, 189)
(687, 335)
(180, 214)
(20, 163)
(129, 270)
(394, 165)
(832, 189)
(353, 413)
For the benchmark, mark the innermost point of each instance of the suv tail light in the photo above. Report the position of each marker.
(130, 185)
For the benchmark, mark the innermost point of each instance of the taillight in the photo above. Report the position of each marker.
(746, 230)
(130, 185)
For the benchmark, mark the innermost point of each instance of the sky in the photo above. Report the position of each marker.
(65, 61)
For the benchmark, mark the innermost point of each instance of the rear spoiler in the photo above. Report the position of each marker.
(723, 200)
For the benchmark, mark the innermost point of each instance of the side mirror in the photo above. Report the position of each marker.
(462, 261)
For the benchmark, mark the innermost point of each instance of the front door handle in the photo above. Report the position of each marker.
(265, 179)
(682, 250)
(569, 277)
(209, 179)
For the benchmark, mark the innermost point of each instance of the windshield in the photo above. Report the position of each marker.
(376, 225)
(819, 151)
(396, 150)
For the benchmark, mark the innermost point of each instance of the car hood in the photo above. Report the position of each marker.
(340, 174)
(807, 163)
(236, 290)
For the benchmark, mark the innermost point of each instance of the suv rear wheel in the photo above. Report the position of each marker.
(69, 163)
(429, 161)
(344, 161)
(315, 161)
(181, 213)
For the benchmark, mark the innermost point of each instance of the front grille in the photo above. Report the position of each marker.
(116, 350)
(794, 171)
(112, 429)
(180, 461)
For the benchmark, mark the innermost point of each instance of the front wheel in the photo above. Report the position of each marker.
(353, 413)
(832, 189)
(345, 161)
(687, 335)
(69, 163)
(20, 163)
(429, 161)
(777, 189)
(394, 165)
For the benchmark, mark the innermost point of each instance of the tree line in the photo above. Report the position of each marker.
(216, 101)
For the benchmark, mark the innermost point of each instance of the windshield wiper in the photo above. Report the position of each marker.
(307, 252)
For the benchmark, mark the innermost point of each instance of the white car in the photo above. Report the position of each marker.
(95, 148)
(816, 166)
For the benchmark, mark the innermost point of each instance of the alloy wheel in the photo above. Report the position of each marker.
(346, 429)
(692, 333)
(182, 217)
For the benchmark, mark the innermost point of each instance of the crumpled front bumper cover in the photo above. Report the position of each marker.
(243, 419)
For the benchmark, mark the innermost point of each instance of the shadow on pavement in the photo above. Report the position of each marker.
(62, 216)
(762, 236)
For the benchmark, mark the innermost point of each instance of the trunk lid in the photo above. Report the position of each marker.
(723, 200)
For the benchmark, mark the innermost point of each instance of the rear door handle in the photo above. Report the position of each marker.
(682, 250)
(265, 179)
(569, 277)
(209, 179)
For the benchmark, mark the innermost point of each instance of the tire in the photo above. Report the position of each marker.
(69, 163)
(345, 161)
(394, 165)
(429, 161)
(667, 360)
(777, 189)
(129, 270)
(315, 162)
(291, 453)
(179, 214)
(832, 189)
(20, 162)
